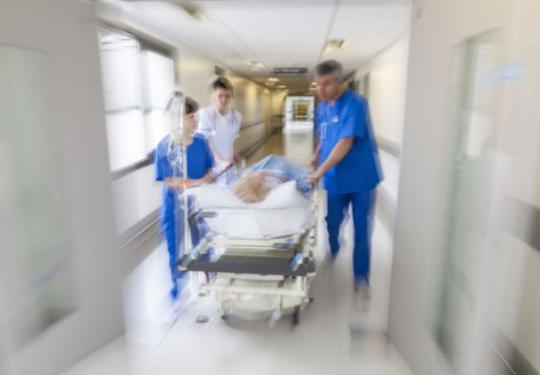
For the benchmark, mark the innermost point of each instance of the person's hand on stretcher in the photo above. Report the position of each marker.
(179, 184)
(225, 168)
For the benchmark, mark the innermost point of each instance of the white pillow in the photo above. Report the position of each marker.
(209, 196)
(282, 196)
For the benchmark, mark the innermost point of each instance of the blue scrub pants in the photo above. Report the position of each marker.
(362, 210)
(173, 227)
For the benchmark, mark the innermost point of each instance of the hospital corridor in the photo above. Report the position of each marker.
(269, 187)
(329, 337)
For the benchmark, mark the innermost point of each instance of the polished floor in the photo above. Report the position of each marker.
(337, 333)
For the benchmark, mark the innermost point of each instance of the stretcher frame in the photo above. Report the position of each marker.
(281, 269)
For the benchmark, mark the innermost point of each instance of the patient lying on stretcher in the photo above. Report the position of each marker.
(260, 178)
(253, 205)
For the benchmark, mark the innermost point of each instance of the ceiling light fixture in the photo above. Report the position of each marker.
(273, 79)
(255, 64)
(187, 6)
(334, 45)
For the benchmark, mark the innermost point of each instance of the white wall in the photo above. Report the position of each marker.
(520, 139)
(278, 102)
(425, 170)
(65, 31)
(387, 93)
(249, 100)
(195, 74)
(387, 88)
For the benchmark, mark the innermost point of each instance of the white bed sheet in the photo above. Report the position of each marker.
(260, 223)
(283, 196)
(284, 211)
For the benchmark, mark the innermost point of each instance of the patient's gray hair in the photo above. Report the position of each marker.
(252, 188)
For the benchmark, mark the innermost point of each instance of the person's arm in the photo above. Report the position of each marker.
(236, 155)
(316, 155)
(175, 183)
(207, 179)
(338, 153)
(238, 125)
(314, 162)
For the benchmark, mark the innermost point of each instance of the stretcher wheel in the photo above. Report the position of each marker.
(296, 316)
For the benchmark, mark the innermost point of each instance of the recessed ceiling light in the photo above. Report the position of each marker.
(255, 64)
(334, 45)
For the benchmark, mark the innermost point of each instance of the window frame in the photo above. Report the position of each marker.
(146, 43)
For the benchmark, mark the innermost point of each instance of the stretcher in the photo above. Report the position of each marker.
(261, 277)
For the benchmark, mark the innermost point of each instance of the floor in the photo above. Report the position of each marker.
(337, 334)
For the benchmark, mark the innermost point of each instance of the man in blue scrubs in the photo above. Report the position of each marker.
(347, 158)
(169, 169)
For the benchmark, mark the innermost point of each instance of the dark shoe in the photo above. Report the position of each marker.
(330, 258)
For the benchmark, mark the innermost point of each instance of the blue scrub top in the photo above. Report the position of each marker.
(360, 169)
(200, 160)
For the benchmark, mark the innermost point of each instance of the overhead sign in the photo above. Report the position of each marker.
(290, 70)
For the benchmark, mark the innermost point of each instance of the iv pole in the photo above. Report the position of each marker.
(177, 140)
(187, 230)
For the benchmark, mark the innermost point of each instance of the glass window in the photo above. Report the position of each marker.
(158, 74)
(137, 82)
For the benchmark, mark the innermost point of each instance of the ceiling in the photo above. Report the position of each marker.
(254, 36)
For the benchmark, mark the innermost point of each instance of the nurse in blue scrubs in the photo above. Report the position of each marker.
(169, 169)
(347, 160)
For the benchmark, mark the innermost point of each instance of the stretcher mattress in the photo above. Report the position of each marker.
(285, 211)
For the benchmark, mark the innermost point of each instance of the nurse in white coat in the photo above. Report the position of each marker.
(220, 124)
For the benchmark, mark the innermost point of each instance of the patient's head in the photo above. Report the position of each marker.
(254, 187)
